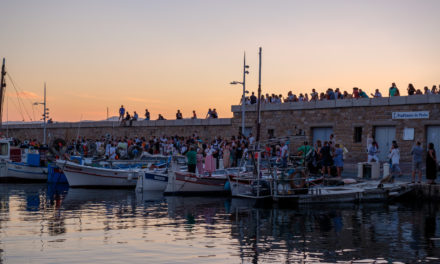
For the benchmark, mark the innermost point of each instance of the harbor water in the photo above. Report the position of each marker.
(42, 223)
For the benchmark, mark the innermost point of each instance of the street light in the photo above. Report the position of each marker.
(243, 101)
(45, 113)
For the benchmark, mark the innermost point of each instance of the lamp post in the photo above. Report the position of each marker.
(245, 71)
(45, 113)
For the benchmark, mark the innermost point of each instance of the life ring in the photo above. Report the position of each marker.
(302, 179)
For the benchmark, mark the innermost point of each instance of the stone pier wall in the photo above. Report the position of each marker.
(343, 116)
(205, 128)
(283, 120)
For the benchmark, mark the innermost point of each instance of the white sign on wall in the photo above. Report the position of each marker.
(411, 115)
(408, 133)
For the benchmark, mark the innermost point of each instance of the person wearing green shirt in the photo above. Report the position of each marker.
(192, 160)
(393, 90)
(362, 94)
(304, 150)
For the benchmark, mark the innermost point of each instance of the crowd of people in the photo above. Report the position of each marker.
(336, 94)
(127, 120)
(323, 158)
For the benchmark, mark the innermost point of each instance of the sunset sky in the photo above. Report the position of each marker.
(182, 54)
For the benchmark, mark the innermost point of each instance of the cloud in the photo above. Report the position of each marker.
(24, 94)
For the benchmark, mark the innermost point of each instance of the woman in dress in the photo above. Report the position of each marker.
(199, 158)
(209, 160)
(338, 159)
(431, 164)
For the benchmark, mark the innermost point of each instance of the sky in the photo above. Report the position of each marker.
(166, 55)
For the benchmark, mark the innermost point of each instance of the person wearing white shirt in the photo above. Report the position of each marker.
(395, 158)
(284, 154)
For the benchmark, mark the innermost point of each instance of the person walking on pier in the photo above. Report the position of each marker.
(417, 153)
(431, 164)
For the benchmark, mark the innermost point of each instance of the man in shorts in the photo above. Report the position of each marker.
(417, 153)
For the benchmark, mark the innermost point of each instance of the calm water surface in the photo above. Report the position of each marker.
(54, 224)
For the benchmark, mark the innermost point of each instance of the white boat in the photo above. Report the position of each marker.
(368, 191)
(87, 176)
(21, 168)
(25, 172)
(152, 180)
(190, 183)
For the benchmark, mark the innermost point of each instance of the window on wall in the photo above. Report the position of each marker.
(357, 135)
(271, 133)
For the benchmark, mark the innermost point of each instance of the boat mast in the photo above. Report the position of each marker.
(259, 102)
(44, 115)
(2, 89)
(257, 145)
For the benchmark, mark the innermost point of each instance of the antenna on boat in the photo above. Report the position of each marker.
(2, 89)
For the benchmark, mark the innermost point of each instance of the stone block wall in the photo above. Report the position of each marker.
(343, 116)
(284, 120)
(205, 128)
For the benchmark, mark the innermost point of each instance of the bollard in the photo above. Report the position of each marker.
(360, 172)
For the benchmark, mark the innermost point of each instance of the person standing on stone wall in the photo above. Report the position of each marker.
(431, 164)
(121, 113)
(147, 115)
(417, 153)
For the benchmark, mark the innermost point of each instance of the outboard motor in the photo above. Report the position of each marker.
(57, 149)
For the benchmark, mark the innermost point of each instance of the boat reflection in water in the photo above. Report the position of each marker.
(46, 222)
(348, 232)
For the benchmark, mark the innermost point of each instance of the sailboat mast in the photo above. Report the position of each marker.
(44, 115)
(2, 89)
(259, 102)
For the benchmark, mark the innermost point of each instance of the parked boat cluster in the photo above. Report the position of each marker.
(253, 178)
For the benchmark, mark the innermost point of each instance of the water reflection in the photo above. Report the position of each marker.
(46, 222)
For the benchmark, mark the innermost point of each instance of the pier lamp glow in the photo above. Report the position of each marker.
(243, 101)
